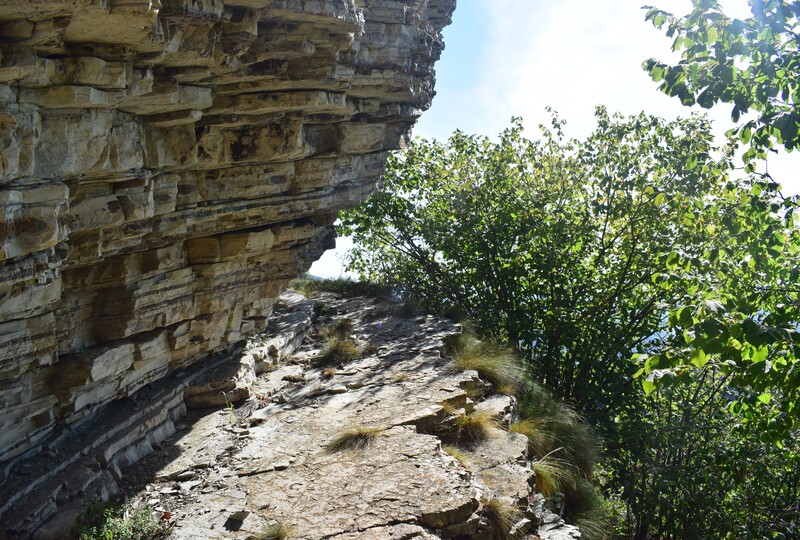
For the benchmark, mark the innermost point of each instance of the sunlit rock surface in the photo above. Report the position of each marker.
(228, 474)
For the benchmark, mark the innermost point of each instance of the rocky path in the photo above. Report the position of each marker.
(234, 473)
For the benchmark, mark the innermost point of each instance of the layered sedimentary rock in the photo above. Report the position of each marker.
(166, 166)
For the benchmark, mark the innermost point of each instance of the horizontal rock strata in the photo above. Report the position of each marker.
(166, 166)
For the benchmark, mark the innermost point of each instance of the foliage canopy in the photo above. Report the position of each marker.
(633, 243)
(753, 64)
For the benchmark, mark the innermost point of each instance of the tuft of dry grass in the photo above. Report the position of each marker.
(459, 455)
(341, 329)
(337, 352)
(474, 427)
(554, 475)
(401, 377)
(540, 439)
(501, 516)
(328, 372)
(495, 363)
(354, 438)
(275, 531)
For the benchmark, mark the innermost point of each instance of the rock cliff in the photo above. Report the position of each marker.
(166, 166)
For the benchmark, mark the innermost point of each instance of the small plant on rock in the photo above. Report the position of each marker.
(458, 454)
(501, 515)
(495, 363)
(275, 531)
(401, 377)
(474, 427)
(340, 330)
(337, 351)
(120, 522)
(554, 475)
(355, 438)
(229, 409)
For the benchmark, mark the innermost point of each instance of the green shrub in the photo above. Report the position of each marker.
(120, 522)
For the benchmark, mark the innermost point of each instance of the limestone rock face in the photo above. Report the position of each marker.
(166, 166)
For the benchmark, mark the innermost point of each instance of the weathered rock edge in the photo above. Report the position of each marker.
(226, 474)
(166, 166)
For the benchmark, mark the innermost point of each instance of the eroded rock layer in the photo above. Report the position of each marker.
(166, 166)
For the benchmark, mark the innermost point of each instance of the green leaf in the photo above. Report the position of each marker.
(699, 358)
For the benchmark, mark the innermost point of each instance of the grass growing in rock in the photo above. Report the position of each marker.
(341, 329)
(401, 378)
(473, 427)
(120, 522)
(554, 476)
(501, 516)
(555, 429)
(354, 438)
(563, 450)
(336, 352)
(457, 453)
(495, 363)
(275, 531)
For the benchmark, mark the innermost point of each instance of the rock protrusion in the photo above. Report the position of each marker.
(166, 167)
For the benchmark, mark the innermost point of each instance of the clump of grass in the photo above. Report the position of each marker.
(553, 476)
(320, 308)
(448, 407)
(354, 438)
(400, 377)
(563, 448)
(340, 330)
(337, 351)
(474, 427)
(275, 531)
(501, 516)
(121, 522)
(556, 429)
(540, 439)
(592, 514)
(459, 455)
(328, 372)
(495, 363)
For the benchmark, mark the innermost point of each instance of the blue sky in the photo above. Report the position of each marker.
(507, 58)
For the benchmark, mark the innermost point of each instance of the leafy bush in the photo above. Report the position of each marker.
(121, 522)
